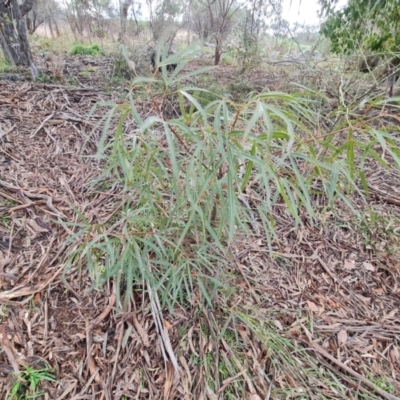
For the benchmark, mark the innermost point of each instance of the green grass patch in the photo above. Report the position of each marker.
(27, 384)
(86, 50)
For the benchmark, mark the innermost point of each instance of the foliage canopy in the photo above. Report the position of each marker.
(369, 25)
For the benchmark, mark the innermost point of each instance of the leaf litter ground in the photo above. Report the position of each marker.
(328, 298)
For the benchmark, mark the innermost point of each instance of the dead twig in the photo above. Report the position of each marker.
(353, 373)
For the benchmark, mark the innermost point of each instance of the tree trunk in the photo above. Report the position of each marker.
(13, 33)
(56, 25)
(124, 18)
(30, 23)
(217, 53)
(50, 23)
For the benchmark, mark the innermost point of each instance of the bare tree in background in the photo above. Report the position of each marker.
(125, 6)
(164, 19)
(13, 33)
(43, 11)
(76, 17)
(199, 21)
(214, 22)
(88, 18)
(250, 29)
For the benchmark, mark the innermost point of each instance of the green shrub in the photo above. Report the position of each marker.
(222, 169)
(86, 50)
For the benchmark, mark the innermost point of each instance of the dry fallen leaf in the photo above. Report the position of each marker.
(368, 266)
(394, 354)
(142, 332)
(393, 313)
(35, 226)
(4, 261)
(37, 298)
(167, 324)
(278, 324)
(132, 65)
(333, 304)
(342, 336)
(313, 307)
(349, 264)
(243, 333)
(326, 216)
(365, 300)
